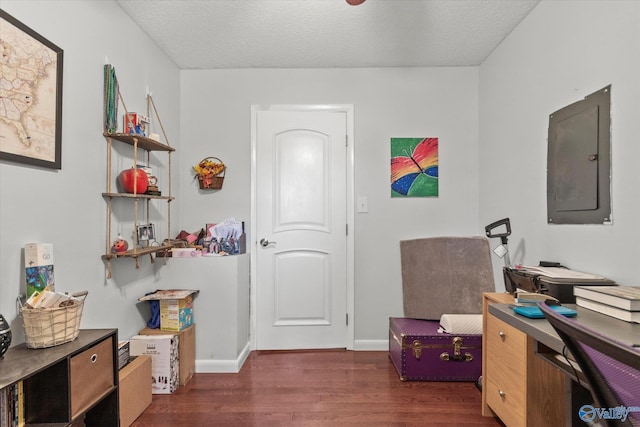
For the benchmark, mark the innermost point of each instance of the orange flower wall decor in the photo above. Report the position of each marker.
(210, 173)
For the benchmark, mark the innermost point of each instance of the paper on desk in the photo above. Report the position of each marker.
(562, 273)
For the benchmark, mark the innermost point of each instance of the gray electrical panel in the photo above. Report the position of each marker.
(579, 162)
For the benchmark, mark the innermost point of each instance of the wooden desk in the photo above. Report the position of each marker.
(624, 332)
(544, 372)
(517, 386)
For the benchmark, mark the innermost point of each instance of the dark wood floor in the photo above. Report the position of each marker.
(333, 387)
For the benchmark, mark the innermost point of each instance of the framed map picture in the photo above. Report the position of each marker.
(30, 96)
(414, 167)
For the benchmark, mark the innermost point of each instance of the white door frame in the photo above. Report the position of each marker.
(252, 244)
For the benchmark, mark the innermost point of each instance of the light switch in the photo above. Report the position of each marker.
(363, 204)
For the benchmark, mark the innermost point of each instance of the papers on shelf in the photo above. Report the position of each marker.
(227, 229)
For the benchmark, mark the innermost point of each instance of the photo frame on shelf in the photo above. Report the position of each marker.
(146, 233)
(33, 135)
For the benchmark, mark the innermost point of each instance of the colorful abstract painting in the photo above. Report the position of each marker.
(414, 167)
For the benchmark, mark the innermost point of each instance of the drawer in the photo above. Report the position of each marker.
(505, 337)
(506, 348)
(508, 377)
(91, 376)
(506, 371)
(508, 405)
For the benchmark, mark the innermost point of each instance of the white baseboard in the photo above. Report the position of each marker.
(223, 366)
(234, 365)
(371, 345)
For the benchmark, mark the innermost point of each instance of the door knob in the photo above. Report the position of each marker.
(264, 242)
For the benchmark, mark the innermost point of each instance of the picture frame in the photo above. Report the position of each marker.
(33, 135)
(146, 233)
(414, 167)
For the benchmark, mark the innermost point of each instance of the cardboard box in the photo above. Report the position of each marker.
(176, 308)
(134, 389)
(186, 350)
(38, 265)
(165, 362)
(176, 314)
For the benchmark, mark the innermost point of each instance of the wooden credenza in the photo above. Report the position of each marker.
(517, 386)
(70, 384)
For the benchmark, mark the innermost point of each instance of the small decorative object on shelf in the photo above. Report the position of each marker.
(134, 181)
(210, 173)
(120, 245)
(5, 336)
(136, 123)
(152, 188)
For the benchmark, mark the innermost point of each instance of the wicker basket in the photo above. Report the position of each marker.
(48, 327)
(211, 181)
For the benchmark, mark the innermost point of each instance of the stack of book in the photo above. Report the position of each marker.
(12, 405)
(621, 302)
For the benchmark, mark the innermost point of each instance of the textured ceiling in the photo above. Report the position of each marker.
(208, 34)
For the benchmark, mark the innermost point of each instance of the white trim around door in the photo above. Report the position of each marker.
(252, 237)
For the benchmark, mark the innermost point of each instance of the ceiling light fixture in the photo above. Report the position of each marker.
(355, 2)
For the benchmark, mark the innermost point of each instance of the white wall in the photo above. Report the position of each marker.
(66, 207)
(390, 102)
(562, 52)
(221, 309)
(213, 109)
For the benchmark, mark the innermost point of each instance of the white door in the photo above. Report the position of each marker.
(301, 220)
